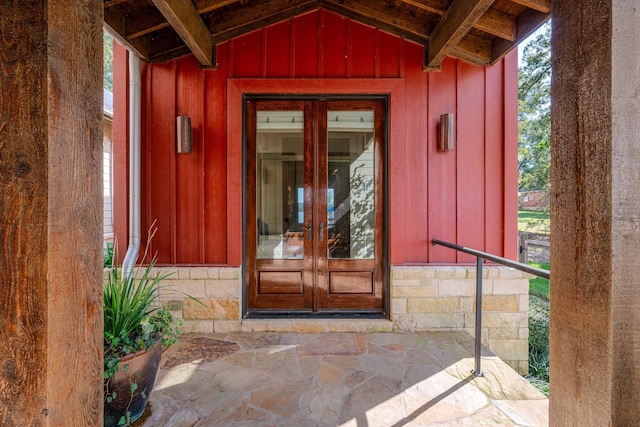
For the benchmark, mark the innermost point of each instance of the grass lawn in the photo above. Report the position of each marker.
(533, 221)
(539, 286)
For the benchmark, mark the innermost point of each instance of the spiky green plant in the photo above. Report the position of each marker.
(133, 320)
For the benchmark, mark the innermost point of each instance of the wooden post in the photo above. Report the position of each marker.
(522, 248)
(595, 212)
(51, 213)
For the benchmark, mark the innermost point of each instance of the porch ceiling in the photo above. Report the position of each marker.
(478, 31)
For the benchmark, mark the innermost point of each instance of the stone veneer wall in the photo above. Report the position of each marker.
(443, 298)
(217, 290)
(423, 298)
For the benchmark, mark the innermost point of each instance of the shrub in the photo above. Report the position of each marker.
(539, 344)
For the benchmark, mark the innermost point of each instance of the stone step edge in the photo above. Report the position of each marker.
(316, 325)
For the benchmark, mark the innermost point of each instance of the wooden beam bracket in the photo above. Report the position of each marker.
(454, 25)
(186, 21)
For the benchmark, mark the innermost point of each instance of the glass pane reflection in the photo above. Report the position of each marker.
(350, 192)
(280, 184)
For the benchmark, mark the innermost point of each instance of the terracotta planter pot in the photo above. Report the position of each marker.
(140, 368)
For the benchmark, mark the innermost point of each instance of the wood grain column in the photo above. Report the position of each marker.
(51, 213)
(595, 214)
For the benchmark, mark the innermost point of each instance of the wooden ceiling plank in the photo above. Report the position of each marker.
(116, 24)
(145, 21)
(205, 6)
(543, 6)
(528, 22)
(111, 3)
(438, 7)
(454, 25)
(473, 49)
(497, 23)
(186, 21)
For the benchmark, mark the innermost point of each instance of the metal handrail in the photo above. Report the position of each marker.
(540, 272)
(477, 371)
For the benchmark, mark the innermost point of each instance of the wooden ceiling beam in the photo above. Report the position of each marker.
(454, 25)
(543, 6)
(380, 14)
(116, 24)
(527, 23)
(493, 21)
(147, 20)
(187, 23)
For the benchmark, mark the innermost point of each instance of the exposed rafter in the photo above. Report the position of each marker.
(494, 22)
(186, 21)
(406, 23)
(147, 20)
(454, 25)
(528, 22)
(116, 24)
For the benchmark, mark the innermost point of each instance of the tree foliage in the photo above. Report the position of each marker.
(534, 113)
(107, 44)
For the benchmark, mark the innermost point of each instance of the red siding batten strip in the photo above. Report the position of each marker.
(494, 160)
(202, 113)
(234, 174)
(159, 125)
(172, 169)
(214, 147)
(147, 189)
(120, 147)
(511, 155)
(376, 53)
(415, 170)
(442, 173)
(470, 151)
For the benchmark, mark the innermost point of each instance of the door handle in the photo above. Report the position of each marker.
(309, 230)
(321, 231)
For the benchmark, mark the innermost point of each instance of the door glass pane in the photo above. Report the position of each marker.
(280, 184)
(350, 192)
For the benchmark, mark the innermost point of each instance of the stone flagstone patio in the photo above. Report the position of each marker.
(338, 379)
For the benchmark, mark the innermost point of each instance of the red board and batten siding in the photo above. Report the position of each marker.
(466, 196)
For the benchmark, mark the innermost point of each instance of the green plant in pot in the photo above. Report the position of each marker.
(136, 328)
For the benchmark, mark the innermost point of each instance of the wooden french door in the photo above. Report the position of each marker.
(315, 205)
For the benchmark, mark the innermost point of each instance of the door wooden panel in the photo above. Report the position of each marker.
(351, 282)
(315, 205)
(280, 282)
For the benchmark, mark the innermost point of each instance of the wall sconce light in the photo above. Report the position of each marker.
(183, 134)
(447, 132)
